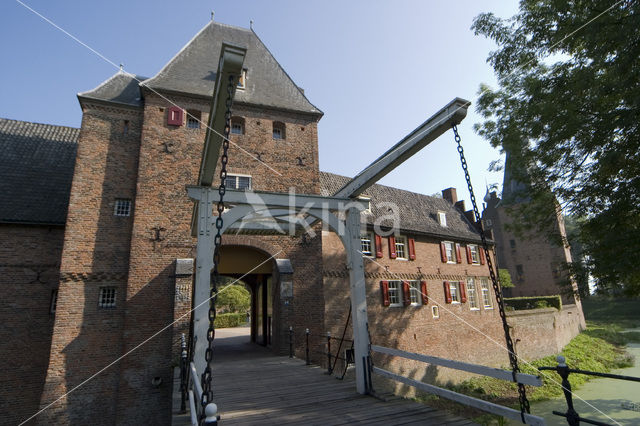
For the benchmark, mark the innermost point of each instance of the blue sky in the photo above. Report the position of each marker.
(377, 69)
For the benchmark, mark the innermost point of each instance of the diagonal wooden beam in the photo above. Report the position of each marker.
(453, 113)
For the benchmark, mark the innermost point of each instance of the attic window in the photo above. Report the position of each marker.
(278, 130)
(442, 219)
(242, 80)
(193, 119)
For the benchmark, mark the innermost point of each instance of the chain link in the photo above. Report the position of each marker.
(522, 395)
(205, 379)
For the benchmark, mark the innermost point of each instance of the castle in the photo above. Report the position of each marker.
(97, 252)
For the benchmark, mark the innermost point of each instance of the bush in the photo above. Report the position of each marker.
(233, 299)
(230, 320)
(522, 303)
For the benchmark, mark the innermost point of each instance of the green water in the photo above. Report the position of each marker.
(605, 395)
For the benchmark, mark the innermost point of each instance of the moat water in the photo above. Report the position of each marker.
(599, 398)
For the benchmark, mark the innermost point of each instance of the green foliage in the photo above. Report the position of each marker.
(505, 278)
(623, 313)
(535, 302)
(230, 320)
(233, 298)
(566, 113)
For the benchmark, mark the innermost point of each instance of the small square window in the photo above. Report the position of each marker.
(435, 312)
(193, 119)
(401, 247)
(366, 244)
(277, 133)
(122, 207)
(54, 301)
(237, 129)
(107, 298)
(278, 130)
(442, 219)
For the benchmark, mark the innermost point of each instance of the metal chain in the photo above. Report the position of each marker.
(524, 402)
(205, 379)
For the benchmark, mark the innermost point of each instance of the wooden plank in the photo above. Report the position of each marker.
(525, 379)
(463, 399)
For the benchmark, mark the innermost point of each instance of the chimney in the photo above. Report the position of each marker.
(450, 195)
(460, 205)
(471, 217)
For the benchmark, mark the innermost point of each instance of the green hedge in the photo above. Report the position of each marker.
(230, 320)
(522, 303)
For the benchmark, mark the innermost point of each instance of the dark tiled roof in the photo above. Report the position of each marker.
(36, 168)
(121, 88)
(417, 212)
(193, 70)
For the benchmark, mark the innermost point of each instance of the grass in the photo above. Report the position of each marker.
(623, 313)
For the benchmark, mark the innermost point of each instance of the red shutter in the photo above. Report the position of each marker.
(384, 288)
(412, 249)
(174, 117)
(482, 259)
(469, 258)
(423, 289)
(458, 257)
(378, 239)
(392, 247)
(443, 252)
(447, 292)
(406, 293)
(463, 292)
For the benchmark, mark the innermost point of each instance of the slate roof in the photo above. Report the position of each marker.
(122, 88)
(36, 169)
(193, 70)
(417, 212)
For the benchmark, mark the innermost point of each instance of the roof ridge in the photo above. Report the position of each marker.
(162, 70)
(285, 72)
(39, 124)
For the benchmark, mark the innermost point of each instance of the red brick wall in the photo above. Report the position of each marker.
(96, 253)
(28, 275)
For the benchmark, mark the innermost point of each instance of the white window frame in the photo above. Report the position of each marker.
(401, 246)
(472, 295)
(435, 311)
(107, 297)
(487, 303)
(364, 238)
(475, 250)
(237, 177)
(415, 294)
(450, 246)
(122, 207)
(442, 219)
(394, 290)
(454, 291)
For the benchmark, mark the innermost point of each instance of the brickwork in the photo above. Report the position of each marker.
(29, 268)
(95, 254)
(459, 333)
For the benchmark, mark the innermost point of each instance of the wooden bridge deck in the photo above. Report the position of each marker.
(254, 387)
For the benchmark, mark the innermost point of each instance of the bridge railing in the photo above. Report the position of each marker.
(470, 401)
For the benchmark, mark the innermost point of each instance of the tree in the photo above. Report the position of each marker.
(232, 299)
(505, 278)
(567, 112)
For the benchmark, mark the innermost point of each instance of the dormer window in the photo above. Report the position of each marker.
(278, 130)
(442, 219)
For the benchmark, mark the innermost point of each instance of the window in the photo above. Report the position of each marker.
(395, 288)
(450, 254)
(242, 79)
(415, 293)
(512, 243)
(238, 182)
(366, 244)
(474, 255)
(122, 207)
(488, 222)
(278, 130)
(107, 298)
(454, 290)
(125, 128)
(193, 119)
(435, 312)
(174, 116)
(472, 294)
(519, 272)
(237, 126)
(442, 219)
(401, 248)
(54, 301)
(486, 294)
